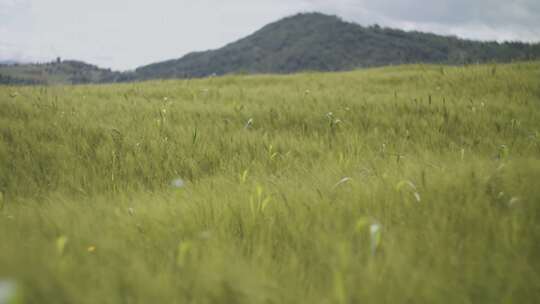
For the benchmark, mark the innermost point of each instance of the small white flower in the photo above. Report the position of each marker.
(177, 183)
(249, 124)
(375, 237)
(8, 291)
(374, 229)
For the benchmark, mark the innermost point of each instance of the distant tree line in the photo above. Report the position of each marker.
(9, 80)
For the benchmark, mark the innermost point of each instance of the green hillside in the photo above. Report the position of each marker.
(319, 42)
(411, 184)
(59, 72)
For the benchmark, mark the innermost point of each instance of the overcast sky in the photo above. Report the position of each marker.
(124, 34)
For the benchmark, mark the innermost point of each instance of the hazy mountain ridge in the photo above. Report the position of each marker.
(315, 41)
(8, 62)
(58, 72)
(303, 42)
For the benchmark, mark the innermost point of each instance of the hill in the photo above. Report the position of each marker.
(58, 72)
(319, 42)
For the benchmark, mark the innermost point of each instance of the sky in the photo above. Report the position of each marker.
(125, 34)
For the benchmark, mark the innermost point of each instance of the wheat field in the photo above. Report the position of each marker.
(408, 184)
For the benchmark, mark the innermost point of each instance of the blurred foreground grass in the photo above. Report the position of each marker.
(413, 184)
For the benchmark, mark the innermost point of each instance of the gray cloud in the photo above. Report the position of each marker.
(488, 12)
(478, 19)
(123, 34)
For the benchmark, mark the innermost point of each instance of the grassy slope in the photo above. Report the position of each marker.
(261, 219)
(66, 72)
